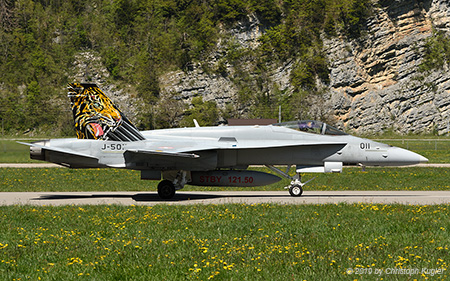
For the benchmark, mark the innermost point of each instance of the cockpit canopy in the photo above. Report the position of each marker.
(310, 126)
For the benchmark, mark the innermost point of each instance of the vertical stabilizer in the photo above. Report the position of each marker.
(96, 117)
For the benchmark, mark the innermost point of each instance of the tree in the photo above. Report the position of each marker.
(168, 111)
(205, 112)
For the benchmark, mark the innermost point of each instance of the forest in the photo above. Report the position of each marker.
(139, 40)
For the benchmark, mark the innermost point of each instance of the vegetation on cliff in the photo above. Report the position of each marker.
(138, 40)
(436, 52)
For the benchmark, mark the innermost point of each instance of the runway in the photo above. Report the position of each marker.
(224, 197)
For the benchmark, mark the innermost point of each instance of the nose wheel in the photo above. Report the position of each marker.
(296, 186)
(295, 190)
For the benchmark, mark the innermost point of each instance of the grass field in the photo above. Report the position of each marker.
(62, 179)
(13, 152)
(225, 242)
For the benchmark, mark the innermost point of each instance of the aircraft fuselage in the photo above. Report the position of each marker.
(234, 147)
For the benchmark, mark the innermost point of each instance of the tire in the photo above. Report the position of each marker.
(295, 190)
(166, 189)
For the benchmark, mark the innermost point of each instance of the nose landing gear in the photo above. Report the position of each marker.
(296, 186)
(295, 190)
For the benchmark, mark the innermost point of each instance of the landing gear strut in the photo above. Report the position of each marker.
(296, 186)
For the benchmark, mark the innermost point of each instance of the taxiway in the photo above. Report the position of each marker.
(225, 197)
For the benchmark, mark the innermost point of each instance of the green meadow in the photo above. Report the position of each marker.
(225, 242)
(13, 152)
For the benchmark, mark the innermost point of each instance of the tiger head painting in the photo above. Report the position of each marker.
(96, 117)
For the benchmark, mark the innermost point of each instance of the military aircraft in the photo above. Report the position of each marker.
(211, 156)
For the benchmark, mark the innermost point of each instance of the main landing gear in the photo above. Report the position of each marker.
(166, 189)
(172, 183)
(296, 186)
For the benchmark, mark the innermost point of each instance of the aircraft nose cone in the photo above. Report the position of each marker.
(406, 157)
(423, 159)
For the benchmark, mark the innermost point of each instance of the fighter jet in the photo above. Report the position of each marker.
(208, 156)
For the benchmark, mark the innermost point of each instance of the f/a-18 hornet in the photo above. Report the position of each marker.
(208, 156)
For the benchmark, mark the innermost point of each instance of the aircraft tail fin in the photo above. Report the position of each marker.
(97, 117)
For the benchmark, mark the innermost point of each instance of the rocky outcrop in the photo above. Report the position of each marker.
(210, 86)
(375, 84)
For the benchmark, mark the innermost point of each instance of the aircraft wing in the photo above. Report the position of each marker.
(207, 156)
(248, 145)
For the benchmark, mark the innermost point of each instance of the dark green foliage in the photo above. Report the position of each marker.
(111, 61)
(267, 11)
(436, 52)
(354, 17)
(205, 112)
(229, 10)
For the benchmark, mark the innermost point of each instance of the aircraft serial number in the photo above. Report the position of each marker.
(114, 146)
(364, 145)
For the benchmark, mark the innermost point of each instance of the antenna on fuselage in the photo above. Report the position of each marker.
(196, 123)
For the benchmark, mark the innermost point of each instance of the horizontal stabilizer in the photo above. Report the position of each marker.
(68, 158)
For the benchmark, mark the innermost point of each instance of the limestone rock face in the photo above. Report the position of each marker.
(375, 84)
(197, 82)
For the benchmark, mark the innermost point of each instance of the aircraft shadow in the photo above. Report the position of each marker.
(139, 197)
(153, 197)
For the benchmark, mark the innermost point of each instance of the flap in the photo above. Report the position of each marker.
(166, 160)
(164, 153)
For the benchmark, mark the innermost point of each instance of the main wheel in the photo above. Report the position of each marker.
(295, 190)
(166, 189)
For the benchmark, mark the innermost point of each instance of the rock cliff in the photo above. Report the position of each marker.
(375, 84)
